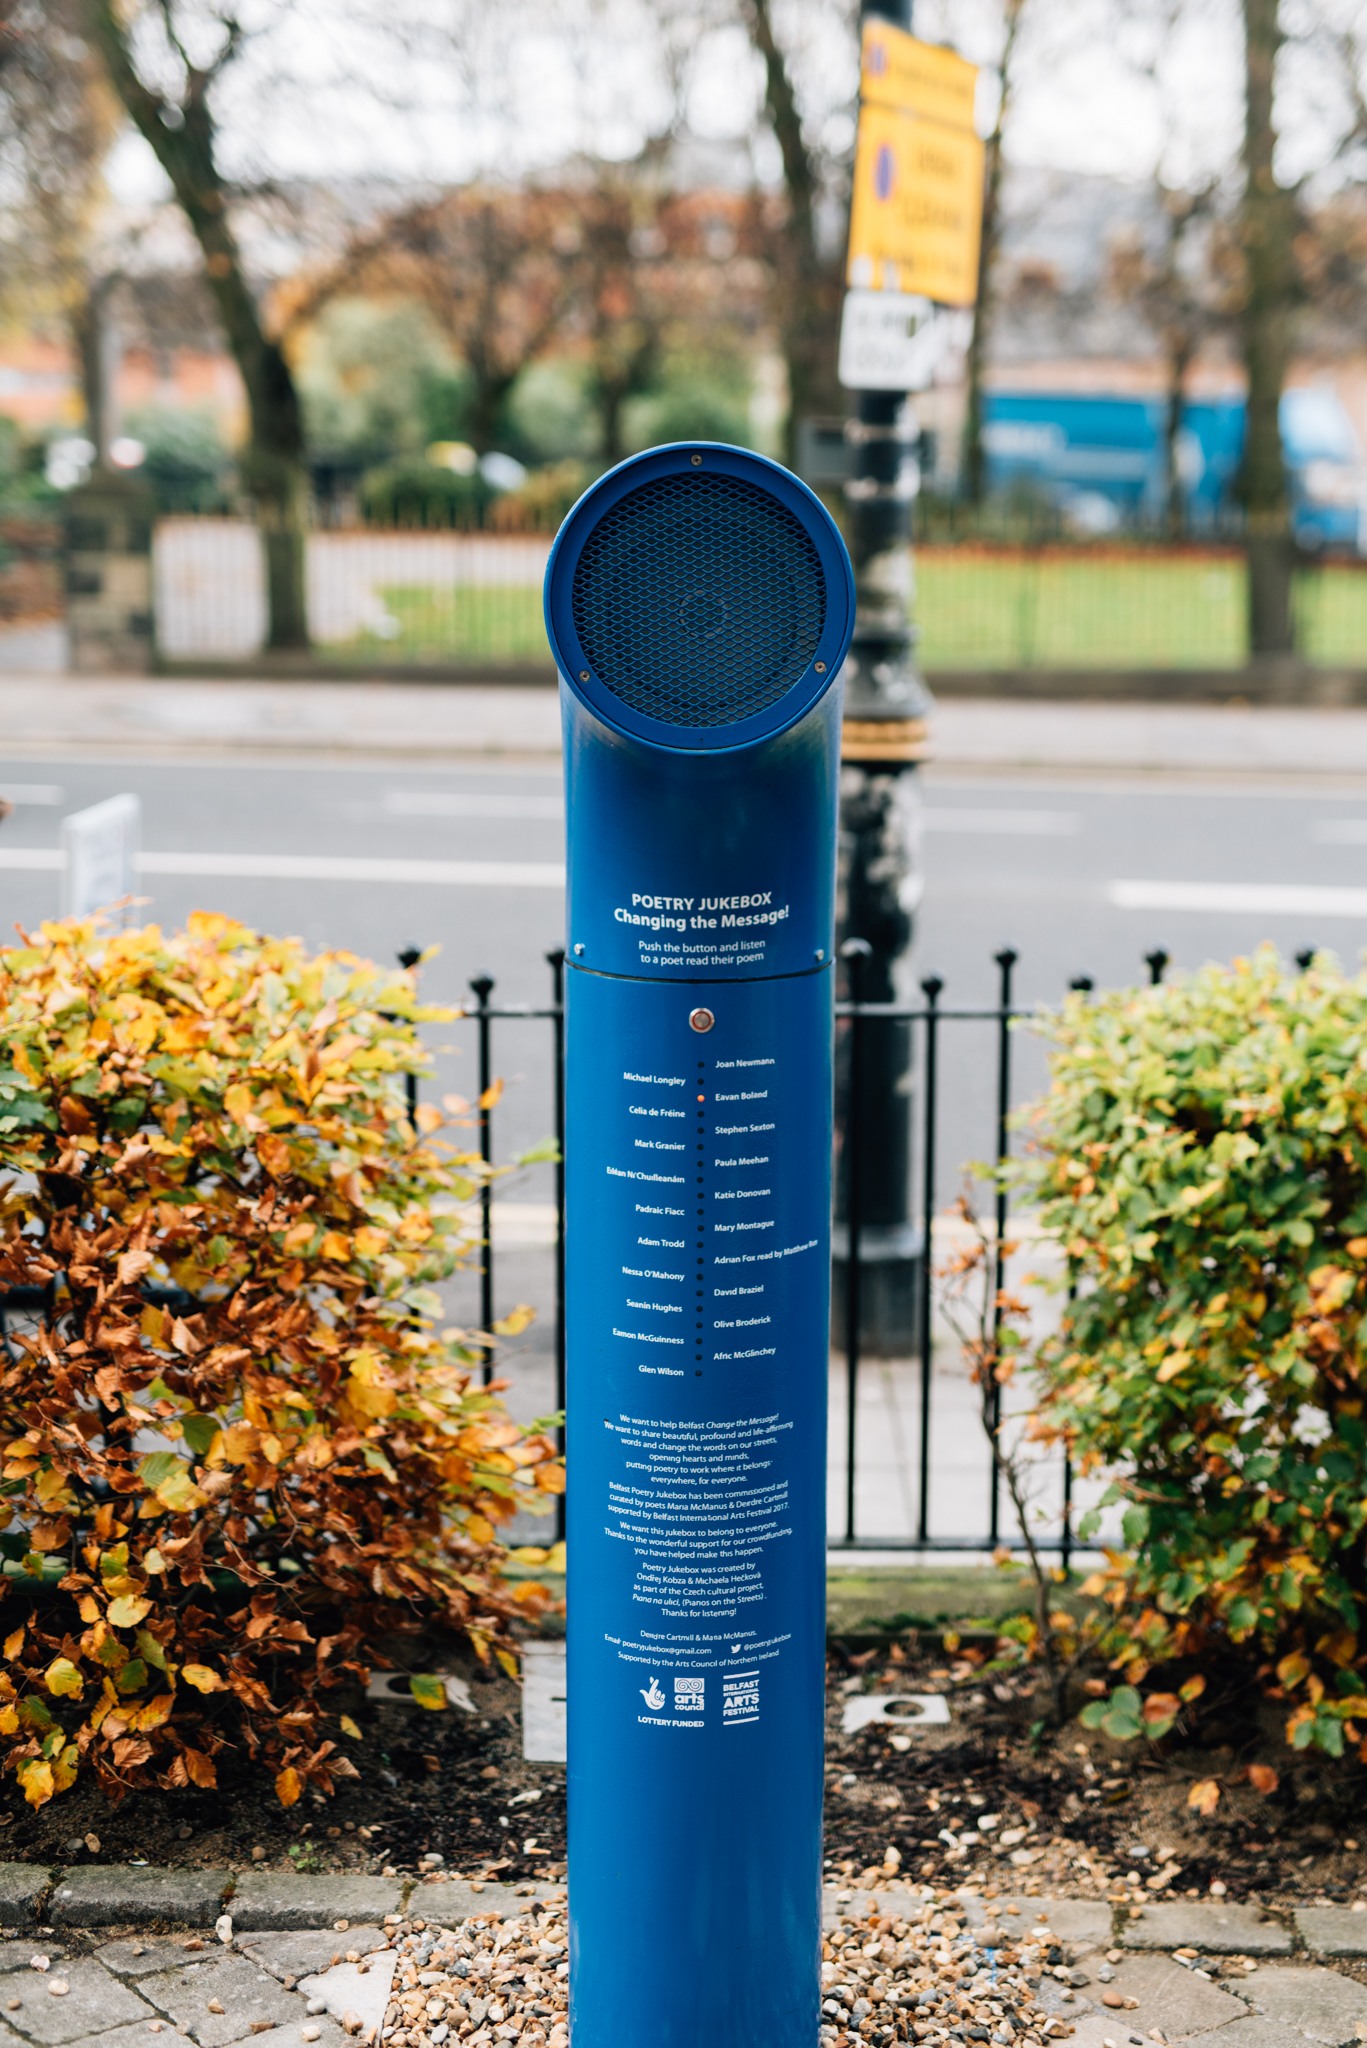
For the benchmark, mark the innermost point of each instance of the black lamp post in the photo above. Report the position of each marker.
(886, 709)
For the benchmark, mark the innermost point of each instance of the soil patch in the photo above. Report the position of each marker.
(997, 1797)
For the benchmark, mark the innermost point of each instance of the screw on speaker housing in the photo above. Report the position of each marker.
(820, 667)
(701, 1020)
(695, 460)
(583, 675)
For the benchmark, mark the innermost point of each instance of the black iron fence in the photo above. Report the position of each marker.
(996, 1085)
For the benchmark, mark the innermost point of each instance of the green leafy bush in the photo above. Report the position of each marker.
(1201, 1157)
(237, 1451)
(417, 493)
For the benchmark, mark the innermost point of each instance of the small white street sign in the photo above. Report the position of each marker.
(101, 854)
(895, 341)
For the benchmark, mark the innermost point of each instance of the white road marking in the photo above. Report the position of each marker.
(1259, 899)
(451, 803)
(32, 792)
(321, 867)
(1041, 824)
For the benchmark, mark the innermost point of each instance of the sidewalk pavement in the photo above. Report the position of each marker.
(146, 716)
(90, 1957)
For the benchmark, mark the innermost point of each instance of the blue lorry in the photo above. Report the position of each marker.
(1100, 459)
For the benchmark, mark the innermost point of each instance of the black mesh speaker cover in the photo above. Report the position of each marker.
(699, 600)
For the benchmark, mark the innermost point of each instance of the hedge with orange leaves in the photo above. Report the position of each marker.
(237, 1450)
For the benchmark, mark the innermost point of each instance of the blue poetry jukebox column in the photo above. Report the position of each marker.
(699, 602)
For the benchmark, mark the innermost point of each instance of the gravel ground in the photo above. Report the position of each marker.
(485, 1974)
(926, 1978)
(930, 1979)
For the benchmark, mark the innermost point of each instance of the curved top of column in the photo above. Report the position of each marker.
(699, 598)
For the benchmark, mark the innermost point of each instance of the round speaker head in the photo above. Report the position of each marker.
(699, 597)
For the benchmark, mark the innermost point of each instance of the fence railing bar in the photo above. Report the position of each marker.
(409, 957)
(907, 1014)
(1006, 961)
(913, 1543)
(855, 952)
(930, 1082)
(483, 988)
(515, 1013)
(556, 961)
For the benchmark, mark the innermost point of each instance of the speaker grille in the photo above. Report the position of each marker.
(699, 600)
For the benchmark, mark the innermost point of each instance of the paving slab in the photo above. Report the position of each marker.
(1332, 1930)
(858, 1905)
(1173, 1999)
(329, 2035)
(16, 1955)
(306, 1952)
(345, 1990)
(144, 1955)
(275, 1900)
(444, 1905)
(1072, 1921)
(116, 1895)
(22, 1888)
(1316, 2002)
(246, 1992)
(139, 2035)
(1061, 2001)
(1217, 1929)
(93, 2003)
(1256, 2033)
(1115, 2030)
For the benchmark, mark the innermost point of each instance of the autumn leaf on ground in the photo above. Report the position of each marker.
(288, 1786)
(63, 1679)
(128, 1610)
(36, 1779)
(1204, 1796)
(428, 1691)
(349, 1727)
(1263, 1779)
(202, 1678)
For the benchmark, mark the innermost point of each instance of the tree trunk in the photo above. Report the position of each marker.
(182, 137)
(975, 462)
(1269, 226)
(809, 289)
(88, 321)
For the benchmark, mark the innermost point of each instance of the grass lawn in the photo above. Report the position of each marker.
(977, 609)
(461, 622)
(1062, 608)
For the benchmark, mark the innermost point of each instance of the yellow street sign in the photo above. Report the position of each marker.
(916, 212)
(917, 78)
